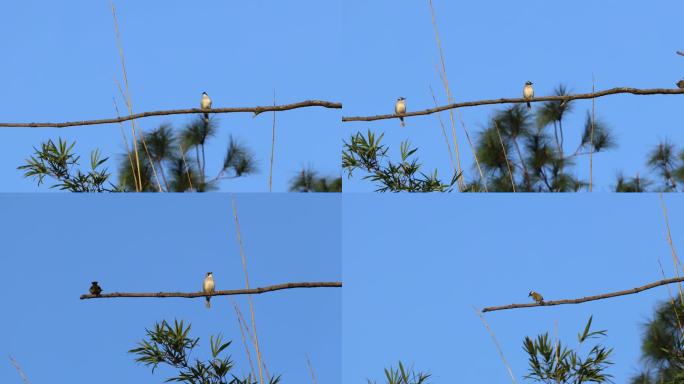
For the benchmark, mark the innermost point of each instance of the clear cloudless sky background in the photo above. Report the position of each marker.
(412, 275)
(60, 62)
(492, 47)
(55, 245)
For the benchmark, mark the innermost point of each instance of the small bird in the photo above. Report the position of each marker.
(95, 289)
(208, 287)
(680, 83)
(400, 109)
(528, 93)
(537, 297)
(205, 103)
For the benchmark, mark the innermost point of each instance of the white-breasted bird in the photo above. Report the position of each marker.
(400, 109)
(205, 103)
(208, 287)
(528, 93)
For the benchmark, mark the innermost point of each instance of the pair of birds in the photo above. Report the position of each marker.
(528, 93)
(208, 286)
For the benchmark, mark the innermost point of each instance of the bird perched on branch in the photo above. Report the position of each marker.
(95, 289)
(400, 109)
(680, 83)
(205, 103)
(536, 296)
(528, 93)
(208, 287)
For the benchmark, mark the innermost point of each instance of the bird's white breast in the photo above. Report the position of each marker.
(206, 102)
(208, 285)
(528, 92)
(400, 107)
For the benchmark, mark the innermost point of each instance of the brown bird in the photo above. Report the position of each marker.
(680, 83)
(95, 289)
(537, 297)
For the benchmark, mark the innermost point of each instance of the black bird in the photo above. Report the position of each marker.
(95, 289)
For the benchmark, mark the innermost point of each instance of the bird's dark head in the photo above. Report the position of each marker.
(94, 283)
(528, 82)
(208, 273)
(529, 294)
(401, 99)
(204, 93)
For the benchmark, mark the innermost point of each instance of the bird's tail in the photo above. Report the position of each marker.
(529, 106)
(206, 118)
(208, 304)
(401, 119)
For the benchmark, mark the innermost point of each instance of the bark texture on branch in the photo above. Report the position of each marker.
(612, 91)
(588, 298)
(255, 110)
(190, 295)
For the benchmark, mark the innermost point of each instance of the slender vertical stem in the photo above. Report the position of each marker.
(21, 372)
(185, 164)
(675, 259)
(446, 138)
(313, 375)
(249, 297)
(503, 148)
(591, 147)
(241, 323)
(128, 150)
(270, 169)
(496, 343)
(127, 96)
(448, 92)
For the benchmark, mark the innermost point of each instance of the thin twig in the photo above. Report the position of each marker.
(587, 298)
(672, 301)
(445, 82)
(256, 110)
(270, 169)
(243, 327)
(127, 95)
(503, 147)
(190, 295)
(249, 297)
(251, 336)
(22, 374)
(128, 150)
(185, 164)
(496, 343)
(591, 147)
(675, 259)
(579, 96)
(446, 138)
(313, 375)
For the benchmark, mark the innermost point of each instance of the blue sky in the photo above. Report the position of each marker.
(492, 47)
(55, 245)
(62, 61)
(413, 272)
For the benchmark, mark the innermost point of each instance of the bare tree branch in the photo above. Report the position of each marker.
(255, 110)
(588, 298)
(612, 91)
(189, 295)
(21, 372)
